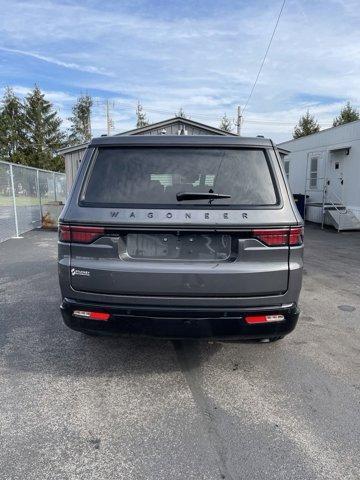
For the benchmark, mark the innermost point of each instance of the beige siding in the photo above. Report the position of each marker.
(72, 162)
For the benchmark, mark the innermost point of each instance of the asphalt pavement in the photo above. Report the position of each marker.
(76, 407)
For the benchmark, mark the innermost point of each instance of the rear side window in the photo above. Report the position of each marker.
(154, 176)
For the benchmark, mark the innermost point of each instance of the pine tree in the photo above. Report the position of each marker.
(80, 130)
(347, 114)
(181, 113)
(43, 132)
(225, 124)
(141, 120)
(12, 135)
(306, 126)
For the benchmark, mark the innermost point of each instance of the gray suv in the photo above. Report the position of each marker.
(181, 236)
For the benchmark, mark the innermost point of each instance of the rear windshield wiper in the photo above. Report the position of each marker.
(200, 196)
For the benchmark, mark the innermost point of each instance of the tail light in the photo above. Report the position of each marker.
(102, 316)
(279, 237)
(69, 233)
(296, 236)
(252, 319)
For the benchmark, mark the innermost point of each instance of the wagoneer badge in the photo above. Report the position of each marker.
(169, 215)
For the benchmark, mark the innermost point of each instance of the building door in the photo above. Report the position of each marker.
(335, 179)
(315, 177)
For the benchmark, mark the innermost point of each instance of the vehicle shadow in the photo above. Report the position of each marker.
(39, 347)
(37, 341)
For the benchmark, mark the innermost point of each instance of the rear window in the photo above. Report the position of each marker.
(154, 176)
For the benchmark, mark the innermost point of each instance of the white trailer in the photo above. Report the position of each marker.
(325, 167)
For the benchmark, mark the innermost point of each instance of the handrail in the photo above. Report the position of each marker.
(339, 207)
(343, 210)
(339, 212)
(338, 198)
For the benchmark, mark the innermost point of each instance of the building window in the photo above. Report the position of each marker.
(313, 172)
(337, 165)
(287, 167)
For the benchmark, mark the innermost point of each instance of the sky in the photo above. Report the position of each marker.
(202, 56)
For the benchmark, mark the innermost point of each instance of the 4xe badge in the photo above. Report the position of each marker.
(83, 273)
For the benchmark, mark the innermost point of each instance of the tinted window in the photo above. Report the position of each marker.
(155, 175)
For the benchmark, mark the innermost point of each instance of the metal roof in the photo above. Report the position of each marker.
(283, 151)
(338, 149)
(73, 148)
(321, 132)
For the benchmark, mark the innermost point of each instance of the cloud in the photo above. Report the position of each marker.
(57, 97)
(202, 56)
(54, 61)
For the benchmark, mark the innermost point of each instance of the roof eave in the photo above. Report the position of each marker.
(171, 121)
(73, 148)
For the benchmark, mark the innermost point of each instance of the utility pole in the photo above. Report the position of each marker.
(89, 123)
(239, 120)
(109, 120)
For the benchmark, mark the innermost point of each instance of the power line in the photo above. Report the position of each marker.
(248, 120)
(264, 58)
(157, 110)
(271, 122)
(203, 116)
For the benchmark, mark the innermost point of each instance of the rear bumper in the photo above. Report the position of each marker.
(180, 322)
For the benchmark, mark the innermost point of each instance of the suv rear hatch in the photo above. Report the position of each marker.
(161, 224)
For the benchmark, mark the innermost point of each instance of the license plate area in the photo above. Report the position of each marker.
(179, 246)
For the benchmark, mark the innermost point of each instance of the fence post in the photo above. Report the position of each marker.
(14, 200)
(39, 194)
(54, 186)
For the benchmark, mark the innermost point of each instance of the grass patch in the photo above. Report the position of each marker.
(6, 201)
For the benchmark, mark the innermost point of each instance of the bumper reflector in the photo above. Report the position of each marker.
(263, 318)
(91, 315)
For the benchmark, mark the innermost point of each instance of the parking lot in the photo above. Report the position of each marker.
(78, 407)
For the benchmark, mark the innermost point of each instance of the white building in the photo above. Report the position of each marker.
(325, 166)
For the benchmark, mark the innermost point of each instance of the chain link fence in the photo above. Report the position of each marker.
(28, 197)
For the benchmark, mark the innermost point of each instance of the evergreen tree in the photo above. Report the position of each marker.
(43, 134)
(225, 124)
(141, 120)
(306, 126)
(80, 130)
(347, 114)
(12, 136)
(181, 113)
